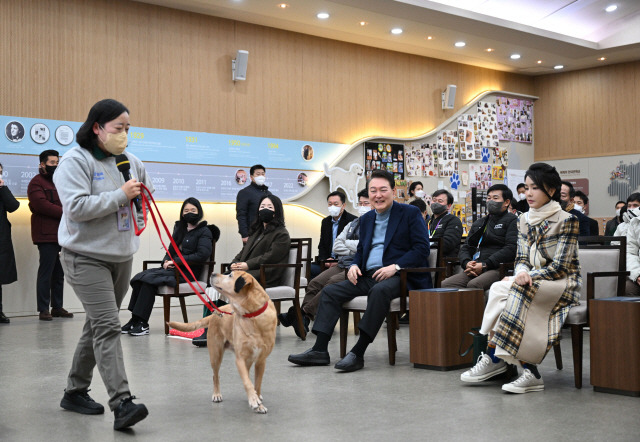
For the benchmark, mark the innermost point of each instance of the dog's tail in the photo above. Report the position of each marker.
(191, 326)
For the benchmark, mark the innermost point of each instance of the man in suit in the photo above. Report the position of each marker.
(581, 204)
(248, 199)
(567, 201)
(330, 228)
(392, 237)
(521, 204)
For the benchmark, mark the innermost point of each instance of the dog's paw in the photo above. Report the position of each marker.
(261, 409)
(255, 402)
(454, 180)
(485, 155)
(216, 398)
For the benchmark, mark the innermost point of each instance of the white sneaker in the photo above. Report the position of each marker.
(525, 383)
(484, 369)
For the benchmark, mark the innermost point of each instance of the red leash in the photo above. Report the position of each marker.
(145, 204)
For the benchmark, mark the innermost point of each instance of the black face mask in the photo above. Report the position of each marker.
(191, 218)
(438, 209)
(494, 207)
(266, 215)
(564, 204)
(50, 169)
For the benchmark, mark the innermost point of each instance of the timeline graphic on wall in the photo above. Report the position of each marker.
(211, 167)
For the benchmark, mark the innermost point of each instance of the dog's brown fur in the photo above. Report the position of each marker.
(252, 339)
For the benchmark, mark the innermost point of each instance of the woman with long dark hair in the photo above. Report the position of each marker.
(195, 240)
(268, 242)
(525, 313)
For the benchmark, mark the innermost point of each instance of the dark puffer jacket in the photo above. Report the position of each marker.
(247, 206)
(499, 244)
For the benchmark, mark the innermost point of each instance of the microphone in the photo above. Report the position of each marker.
(123, 165)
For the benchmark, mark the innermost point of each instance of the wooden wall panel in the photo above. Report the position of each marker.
(588, 113)
(172, 69)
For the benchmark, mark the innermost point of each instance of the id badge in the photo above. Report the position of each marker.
(124, 219)
(476, 255)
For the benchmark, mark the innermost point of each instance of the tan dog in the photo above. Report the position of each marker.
(250, 332)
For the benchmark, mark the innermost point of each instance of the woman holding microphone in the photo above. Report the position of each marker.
(98, 242)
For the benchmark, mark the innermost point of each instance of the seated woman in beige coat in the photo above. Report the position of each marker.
(525, 313)
(268, 242)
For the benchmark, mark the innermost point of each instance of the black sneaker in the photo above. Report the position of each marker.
(80, 402)
(4, 319)
(128, 326)
(128, 414)
(140, 329)
(200, 341)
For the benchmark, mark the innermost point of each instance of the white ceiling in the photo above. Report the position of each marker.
(572, 33)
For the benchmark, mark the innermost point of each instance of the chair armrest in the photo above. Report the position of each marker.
(449, 262)
(403, 282)
(591, 280)
(263, 275)
(504, 267)
(146, 263)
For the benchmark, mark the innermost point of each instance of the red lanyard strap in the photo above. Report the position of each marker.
(145, 204)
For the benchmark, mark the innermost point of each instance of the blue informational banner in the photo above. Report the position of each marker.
(211, 167)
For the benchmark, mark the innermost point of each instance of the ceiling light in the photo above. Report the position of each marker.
(396, 31)
(323, 15)
(283, 5)
(539, 61)
(460, 44)
(611, 8)
(363, 23)
(429, 37)
(558, 66)
(602, 58)
(515, 56)
(490, 49)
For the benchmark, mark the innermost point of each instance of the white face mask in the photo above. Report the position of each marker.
(579, 208)
(260, 180)
(334, 211)
(521, 196)
(419, 193)
(363, 209)
(617, 212)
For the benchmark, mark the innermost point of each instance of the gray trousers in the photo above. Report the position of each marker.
(462, 280)
(632, 288)
(311, 300)
(100, 286)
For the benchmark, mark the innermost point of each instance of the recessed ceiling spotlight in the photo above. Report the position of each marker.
(515, 56)
(602, 58)
(558, 66)
(490, 49)
(460, 44)
(322, 15)
(396, 31)
(283, 5)
(429, 37)
(363, 23)
(539, 61)
(611, 8)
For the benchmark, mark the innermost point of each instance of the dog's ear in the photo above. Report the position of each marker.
(240, 283)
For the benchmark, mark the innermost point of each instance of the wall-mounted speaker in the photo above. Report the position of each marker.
(449, 97)
(239, 66)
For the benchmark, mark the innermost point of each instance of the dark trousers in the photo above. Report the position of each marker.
(143, 296)
(379, 296)
(50, 277)
(0, 298)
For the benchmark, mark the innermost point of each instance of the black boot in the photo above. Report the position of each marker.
(200, 341)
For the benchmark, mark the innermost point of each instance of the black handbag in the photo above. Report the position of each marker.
(478, 344)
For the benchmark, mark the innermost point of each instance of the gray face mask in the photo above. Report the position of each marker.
(438, 209)
(494, 207)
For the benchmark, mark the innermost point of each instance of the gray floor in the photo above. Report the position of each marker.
(381, 402)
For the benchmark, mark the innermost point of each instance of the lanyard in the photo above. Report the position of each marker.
(482, 237)
(434, 230)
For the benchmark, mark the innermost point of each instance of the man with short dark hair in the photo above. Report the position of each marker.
(492, 240)
(392, 237)
(331, 227)
(581, 204)
(521, 204)
(632, 210)
(567, 200)
(443, 224)
(612, 224)
(46, 212)
(248, 199)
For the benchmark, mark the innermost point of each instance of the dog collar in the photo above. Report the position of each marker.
(257, 312)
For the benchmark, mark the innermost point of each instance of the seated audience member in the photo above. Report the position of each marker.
(392, 237)
(630, 211)
(416, 191)
(194, 239)
(612, 224)
(581, 203)
(443, 224)
(633, 252)
(525, 312)
(567, 201)
(491, 241)
(521, 203)
(422, 206)
(344, 247)
(8, 203)
(331, 227)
